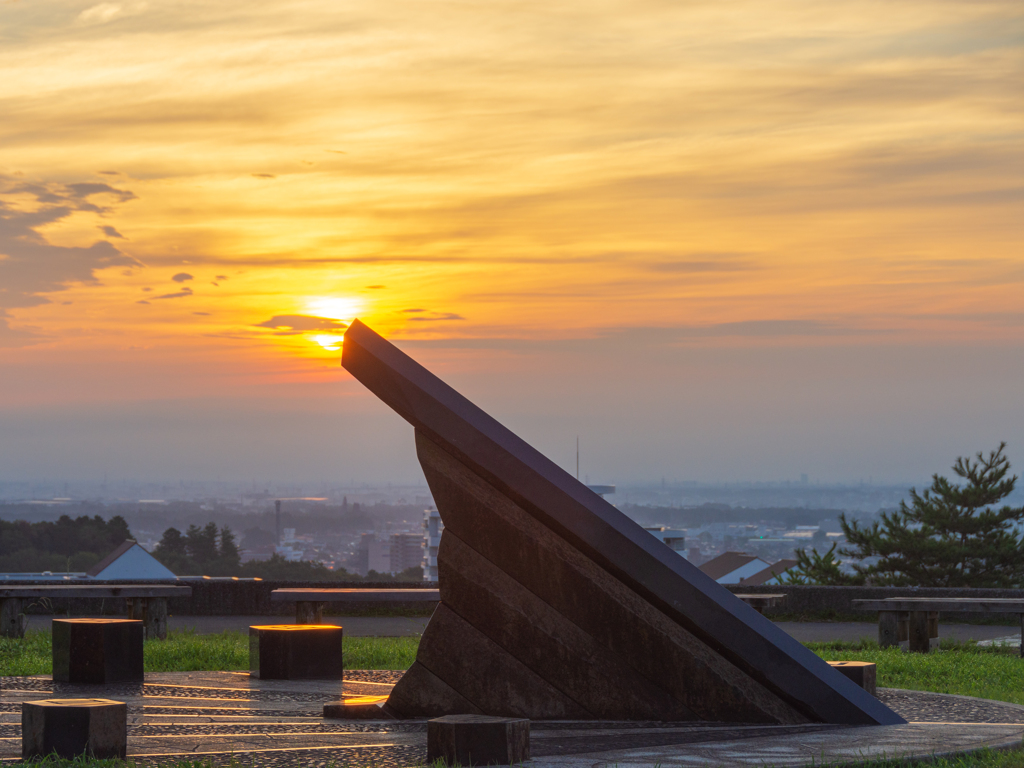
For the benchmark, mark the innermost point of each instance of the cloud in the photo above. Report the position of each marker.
(430, 317)
(111, 232)
(30, 266)
(300, 323)
(186, 291)
(704, 262)
(181, 277)
(103, 13)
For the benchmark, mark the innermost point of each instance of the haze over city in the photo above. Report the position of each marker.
(715, 243)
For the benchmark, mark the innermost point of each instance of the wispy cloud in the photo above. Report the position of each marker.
(31, 267)
(302, 323)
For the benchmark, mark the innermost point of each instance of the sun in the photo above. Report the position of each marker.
(335, 307)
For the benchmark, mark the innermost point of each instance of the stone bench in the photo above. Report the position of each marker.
(73, 727)
(760, 602)
(97, 651)
(146, 603)
(915, 620)
(296, 652)
(309, 603)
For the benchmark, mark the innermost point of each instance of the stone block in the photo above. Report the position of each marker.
(296, 652)
(478, 740)
(863, 673)
(71, 727)
(358, 708)
(97, 651)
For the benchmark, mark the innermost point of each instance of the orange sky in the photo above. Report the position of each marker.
(823, 199)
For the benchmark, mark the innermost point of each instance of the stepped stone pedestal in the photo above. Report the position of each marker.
(71, 727)
(296, 652)
(97, 651)
(478, 740)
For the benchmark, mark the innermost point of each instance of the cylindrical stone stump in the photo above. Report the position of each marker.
(466, 740)
(97, 651)
(296, 652)
(71, 727)
(863, 673)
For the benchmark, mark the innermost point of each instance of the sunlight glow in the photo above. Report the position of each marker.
(335, 307)
(329, 341)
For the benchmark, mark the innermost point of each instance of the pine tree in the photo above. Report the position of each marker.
(229, 558)
(949, 535)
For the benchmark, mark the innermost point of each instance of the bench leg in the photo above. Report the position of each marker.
(309, 612)
(888, 629)
(12, 620)
(152, 612)
(919, 640)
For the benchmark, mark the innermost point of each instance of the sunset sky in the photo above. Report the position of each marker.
(715, 240)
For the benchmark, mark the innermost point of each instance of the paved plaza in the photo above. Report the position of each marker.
(220, 716)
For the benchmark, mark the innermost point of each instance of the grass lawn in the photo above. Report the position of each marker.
(189, 652)
(960, 668)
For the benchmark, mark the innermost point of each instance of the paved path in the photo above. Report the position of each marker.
(226, 717)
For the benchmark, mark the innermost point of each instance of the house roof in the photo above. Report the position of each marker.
(773, 570)
(96, 569)
(726, 563)
(130, 561)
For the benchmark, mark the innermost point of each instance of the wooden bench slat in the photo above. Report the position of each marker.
(966, 604)
(355, 595)
(89, 590)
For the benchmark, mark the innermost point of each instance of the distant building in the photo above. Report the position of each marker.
(406, 551)
(372, 554)
(602, 490)
(432, 529)
(130, 562)
(769, 575)
(732, 567)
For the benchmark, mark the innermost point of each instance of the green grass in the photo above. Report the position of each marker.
(961, 668)
(190, 652)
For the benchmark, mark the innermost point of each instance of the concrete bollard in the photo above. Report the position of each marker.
(71, 727)
(478, 740)
(296, 652)
(97, 651)
(863, 673)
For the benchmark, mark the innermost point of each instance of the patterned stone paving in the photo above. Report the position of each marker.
(220, 716)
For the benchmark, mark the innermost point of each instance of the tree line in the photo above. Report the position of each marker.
(64, 545)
